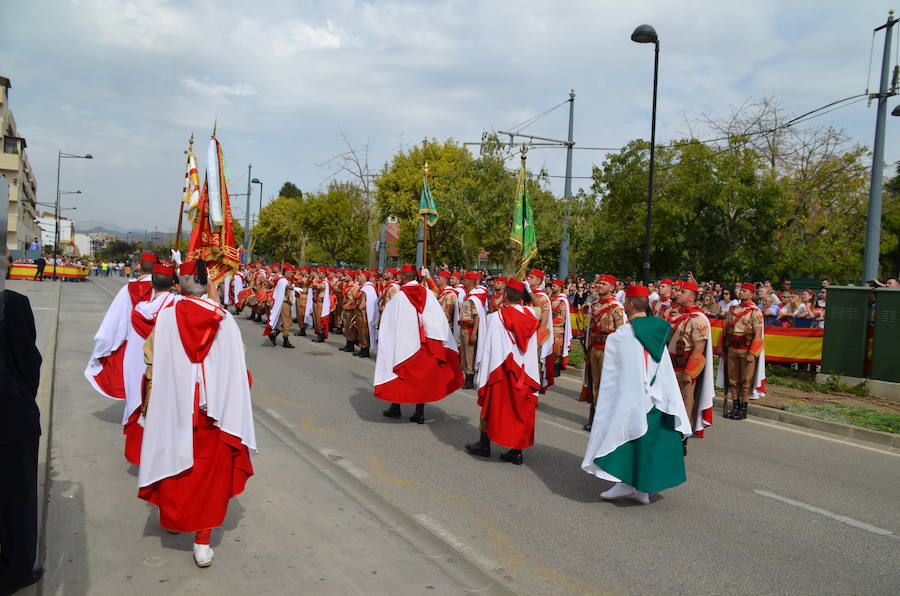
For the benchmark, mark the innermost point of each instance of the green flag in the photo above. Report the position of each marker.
(523, 222)
(427, 206)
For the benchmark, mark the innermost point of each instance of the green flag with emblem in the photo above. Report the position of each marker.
(427, 206)
(523, 232)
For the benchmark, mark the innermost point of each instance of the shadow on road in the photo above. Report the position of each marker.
(111, 413)
(184, 541)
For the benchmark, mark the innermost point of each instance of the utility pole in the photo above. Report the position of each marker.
(382, 247)
(567, 194)
(247, 214)
(873, 223)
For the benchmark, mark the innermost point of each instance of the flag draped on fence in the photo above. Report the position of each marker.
(523, 232)
(212, 238)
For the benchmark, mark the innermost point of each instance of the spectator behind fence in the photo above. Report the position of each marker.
(770, 311)
(20, 431)
(709, 306)
(792, 309)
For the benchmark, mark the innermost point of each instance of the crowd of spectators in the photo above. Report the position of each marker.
(785, 307)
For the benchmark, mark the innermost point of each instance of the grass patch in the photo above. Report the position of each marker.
(576, 354)
(883, 421)
(804, 381)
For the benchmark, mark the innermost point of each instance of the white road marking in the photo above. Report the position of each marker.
(444, 534)
(788, 428)
(835, 516)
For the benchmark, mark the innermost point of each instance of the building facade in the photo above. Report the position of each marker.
(21, 226)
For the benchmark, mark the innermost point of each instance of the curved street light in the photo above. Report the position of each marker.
(647, 34)
(59, 157)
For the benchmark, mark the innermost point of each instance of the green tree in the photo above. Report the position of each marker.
(290, 190)
(277, 234)
(336, 222)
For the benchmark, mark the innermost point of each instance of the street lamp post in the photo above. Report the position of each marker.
(247, 232)
(60, 156)
(647, 34)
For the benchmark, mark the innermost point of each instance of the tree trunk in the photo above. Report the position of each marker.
(303, 240)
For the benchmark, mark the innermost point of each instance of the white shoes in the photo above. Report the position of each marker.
(622, 490)
(641, 497)
(203, 555)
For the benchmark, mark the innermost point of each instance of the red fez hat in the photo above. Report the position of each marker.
(666, 281)
(306, 268)
(372, 273)
(678, 283)
(637, 291)
(161, 269)
(748, 286)
(322, 270)
(149, 256)
(537, 273)
(559, 282)
(341, 270)
(610, 279)
(287, 267)
(444, 274)
(515, 284)
(472, 275)
(188, 268)
(407, 268)
(689, 285)
(456, 274)
(501, 279)
(332, 270)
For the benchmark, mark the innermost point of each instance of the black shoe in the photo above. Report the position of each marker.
(319, 338)
(735, 407)
(287, 343)
(557, 370)
(302, 332)
(587, 427)
(742, 412)
(479, 448)
(273, 336)
(470, 382)
(348, 347)
(363, 353)
(252, 316)
(32, 578)
(513, 456)
(393, 411)
(418, 418)
(684, 446)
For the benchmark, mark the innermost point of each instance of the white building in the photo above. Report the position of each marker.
(47, 223)
(14, 165)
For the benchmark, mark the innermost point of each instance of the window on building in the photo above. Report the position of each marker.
(10, 145)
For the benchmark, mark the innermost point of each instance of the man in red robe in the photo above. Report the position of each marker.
(198, 423)
(418, 357)
(509, 378)
(110, 371)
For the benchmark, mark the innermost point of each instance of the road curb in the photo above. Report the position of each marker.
(467, 574)
(878, 439)
(46, 392)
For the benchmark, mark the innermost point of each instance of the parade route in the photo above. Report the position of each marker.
(766, 509)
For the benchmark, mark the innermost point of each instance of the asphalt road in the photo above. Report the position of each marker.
(767, 508)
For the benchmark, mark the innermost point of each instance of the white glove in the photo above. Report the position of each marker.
(176, 256)
(425, 272)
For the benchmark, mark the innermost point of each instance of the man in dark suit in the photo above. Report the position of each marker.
(20, 430)
(41, 262)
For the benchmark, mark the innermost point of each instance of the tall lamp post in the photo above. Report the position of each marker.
(647, 34)
(59, 158)
(247, 233)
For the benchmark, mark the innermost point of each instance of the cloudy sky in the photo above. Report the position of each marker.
(129, 81)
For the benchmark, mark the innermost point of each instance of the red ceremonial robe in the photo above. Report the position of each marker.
(509, 377)
(197, 498)
(418, 358)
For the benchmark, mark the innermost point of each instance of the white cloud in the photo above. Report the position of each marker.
(216, 90)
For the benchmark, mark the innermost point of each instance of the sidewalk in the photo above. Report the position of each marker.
(292, 531)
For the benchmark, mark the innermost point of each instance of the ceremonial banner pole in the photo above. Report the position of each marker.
(425, 227)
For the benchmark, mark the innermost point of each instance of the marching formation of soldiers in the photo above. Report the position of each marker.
(169, 345)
